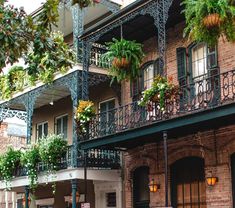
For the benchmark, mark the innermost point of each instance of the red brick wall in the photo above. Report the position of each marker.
(226, 55)
(200, 145)
(7, 141)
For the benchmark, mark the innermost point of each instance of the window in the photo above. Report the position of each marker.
(107, 116)
(111, 199)
(62, 126)
(141, 194)
(148, 76)
(149, 71)
(42, 130)
(188, 188)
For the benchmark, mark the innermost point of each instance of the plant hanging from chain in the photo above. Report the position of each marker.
(208, 20)
(126, 57)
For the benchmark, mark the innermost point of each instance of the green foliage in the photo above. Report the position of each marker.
(51, 149)
(30, 160)
(9, 162)
(196, 10)
(21, 36)
(131, 51)
(13, 81)
(15, 33)
(161, 89)
(84, 112)
(43, 65)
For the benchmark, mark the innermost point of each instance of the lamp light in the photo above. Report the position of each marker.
(211, 180)
(153, 186)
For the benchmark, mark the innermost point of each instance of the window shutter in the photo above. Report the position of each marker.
(212, 59)
(181, 62)
(157, 69)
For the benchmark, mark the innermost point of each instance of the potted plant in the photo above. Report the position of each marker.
(126, 57)
(84, 3)
(162, 89)
(30, 159)
(85, 111)
(9, 163)
(207, 20)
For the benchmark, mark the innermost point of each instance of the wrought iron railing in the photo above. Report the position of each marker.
(96, 158)
(96, 53)
(203, 93)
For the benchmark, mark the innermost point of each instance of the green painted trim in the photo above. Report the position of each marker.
(167, 125)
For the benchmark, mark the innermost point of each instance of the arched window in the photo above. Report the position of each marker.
(148, 71)
(188, 188)
(141, 195)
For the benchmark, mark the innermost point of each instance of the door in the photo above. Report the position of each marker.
(141, 194)
(233, 176)
(188, 188)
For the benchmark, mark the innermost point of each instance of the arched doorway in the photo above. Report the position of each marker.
(141, 194)
(188, 188)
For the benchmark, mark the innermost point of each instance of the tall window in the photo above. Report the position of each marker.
(148, 76)
(141, 194)
(188, 187)
(61, 124)
(42, 130)
(107, 115)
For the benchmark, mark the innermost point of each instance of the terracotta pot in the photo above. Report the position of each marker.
(212, 20)
(121, 63)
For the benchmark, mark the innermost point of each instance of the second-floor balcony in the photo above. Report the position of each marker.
(95, 159)
(207, 98)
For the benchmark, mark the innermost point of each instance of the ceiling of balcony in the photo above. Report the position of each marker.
(140, 28)
(92, 15)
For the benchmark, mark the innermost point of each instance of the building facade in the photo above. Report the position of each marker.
(130, 150)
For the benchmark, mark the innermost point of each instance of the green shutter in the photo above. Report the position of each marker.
(157, 69)
(212, 59)
(181, 62)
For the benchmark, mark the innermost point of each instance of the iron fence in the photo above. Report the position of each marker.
(202, 93)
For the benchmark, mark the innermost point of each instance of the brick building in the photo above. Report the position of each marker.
(176, 151)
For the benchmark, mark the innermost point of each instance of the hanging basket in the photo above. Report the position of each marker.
(121, 63)
(212, 20)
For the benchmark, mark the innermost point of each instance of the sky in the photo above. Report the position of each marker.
(29, 5)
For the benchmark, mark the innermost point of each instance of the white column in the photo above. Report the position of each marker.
(13, 197)
(6, 198)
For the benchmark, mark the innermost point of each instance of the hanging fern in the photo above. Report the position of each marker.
(196, 10)
(126, 57)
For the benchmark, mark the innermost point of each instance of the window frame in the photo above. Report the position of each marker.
(37, 129)
(190, 62)
(56, 125)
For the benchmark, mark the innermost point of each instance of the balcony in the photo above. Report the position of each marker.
(96, 159)
(208, 100)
